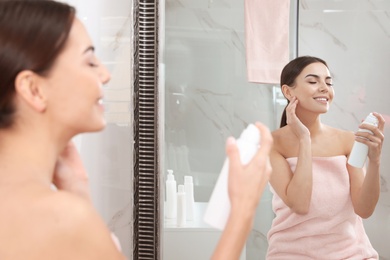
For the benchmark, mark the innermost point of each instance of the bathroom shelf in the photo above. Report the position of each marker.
(197, 223)
(193, 241)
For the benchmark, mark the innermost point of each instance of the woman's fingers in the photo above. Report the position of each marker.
(376, 134)
(233, 155)
(381, 121)
(292, 106)
(261, 158)
(373, 139)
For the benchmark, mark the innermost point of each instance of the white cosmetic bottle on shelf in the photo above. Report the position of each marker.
(190, 201)
(218, 208)
(171, 196)
(181, 206)
(359, 152)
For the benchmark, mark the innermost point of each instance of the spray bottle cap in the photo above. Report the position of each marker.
(170, 175)
(251, 134)
(371, 119)
(187, 179)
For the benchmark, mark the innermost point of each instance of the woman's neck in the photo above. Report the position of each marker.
(27, 157)
(312, 121)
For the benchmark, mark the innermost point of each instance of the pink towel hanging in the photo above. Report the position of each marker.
(267, 39)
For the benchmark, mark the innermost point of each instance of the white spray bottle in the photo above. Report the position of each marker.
(359, 152)
(218, 208)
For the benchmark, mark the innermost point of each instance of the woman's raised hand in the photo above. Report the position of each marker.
(70, 174)
(299, 129)
(375, 140)
(247, 182)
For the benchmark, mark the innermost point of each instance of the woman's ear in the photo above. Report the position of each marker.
(28, 89)
(287, 92)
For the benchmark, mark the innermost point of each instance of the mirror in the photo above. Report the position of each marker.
(207, 98)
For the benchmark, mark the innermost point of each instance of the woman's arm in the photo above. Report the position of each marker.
(294, 188)
(246, 184)
(365, 190)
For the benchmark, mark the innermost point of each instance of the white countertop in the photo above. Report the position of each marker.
(195, 225)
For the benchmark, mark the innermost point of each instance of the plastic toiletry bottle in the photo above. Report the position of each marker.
(171, 197)
(181, 206)
(218, 208)
(190, 201)
(359, 152)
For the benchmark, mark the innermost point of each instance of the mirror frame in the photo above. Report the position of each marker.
(146, 185)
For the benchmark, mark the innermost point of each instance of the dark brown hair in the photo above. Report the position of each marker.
(32, 35)
(291, 71)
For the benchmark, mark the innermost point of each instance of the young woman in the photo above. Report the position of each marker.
(51, 90)
(319, 200)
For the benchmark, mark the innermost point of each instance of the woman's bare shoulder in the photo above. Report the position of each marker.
(344, 135)
(77, 220)
(344, 138)
(62, 224)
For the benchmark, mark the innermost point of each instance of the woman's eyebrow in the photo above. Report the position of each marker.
(90, 48)
(316, 76)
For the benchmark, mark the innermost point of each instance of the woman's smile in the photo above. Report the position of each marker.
(322, 100)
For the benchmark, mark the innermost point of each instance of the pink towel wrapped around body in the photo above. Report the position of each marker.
(331, 229)
(267, 39)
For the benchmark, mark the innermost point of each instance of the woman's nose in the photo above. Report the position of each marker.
(104, 74)
(323, 87)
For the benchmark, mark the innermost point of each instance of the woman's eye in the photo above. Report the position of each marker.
(92, 64)
(329, 84)
(312, 82)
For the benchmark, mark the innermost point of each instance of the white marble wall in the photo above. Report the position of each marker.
(353, 36)
(108, 155)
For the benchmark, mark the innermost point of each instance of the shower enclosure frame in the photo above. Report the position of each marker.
(146, 211)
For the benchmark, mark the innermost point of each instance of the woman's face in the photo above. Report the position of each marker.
(74, 85)
(314, 88)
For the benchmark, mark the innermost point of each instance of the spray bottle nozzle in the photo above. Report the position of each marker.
(170, 175)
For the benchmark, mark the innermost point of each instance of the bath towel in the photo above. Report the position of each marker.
(331, 229)
(267, 39)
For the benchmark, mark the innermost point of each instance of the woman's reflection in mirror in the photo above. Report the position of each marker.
(319, 199)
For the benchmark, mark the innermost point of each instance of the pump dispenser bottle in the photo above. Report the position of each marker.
(218, 208)
(171, 196)
(190, 202)
(181, 206)
(359, 152)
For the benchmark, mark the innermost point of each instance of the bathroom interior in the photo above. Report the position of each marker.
(203, 96)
